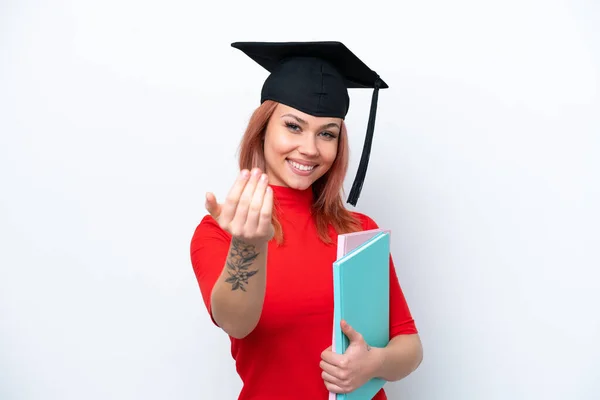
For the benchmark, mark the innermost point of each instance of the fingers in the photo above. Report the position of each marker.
(265, 225)
(213, 208)
(331, 358)
(336, 374)
(334, 388)
(247, 210)
(337, 379)
(349, 331)
(332, 384)
(253, 219)
(243, 206)
(233, 197)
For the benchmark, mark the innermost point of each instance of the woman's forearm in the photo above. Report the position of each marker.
(238, 295)
(399, 358)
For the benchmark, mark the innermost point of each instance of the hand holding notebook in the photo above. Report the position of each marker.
(361, 298)
(354, 368)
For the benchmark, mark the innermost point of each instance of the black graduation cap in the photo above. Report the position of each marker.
(314, 77)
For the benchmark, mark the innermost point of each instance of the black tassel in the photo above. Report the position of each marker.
(364, 159)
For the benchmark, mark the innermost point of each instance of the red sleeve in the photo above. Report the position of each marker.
(208, 251)
(401, 320)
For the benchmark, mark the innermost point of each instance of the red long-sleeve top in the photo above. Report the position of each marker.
(279, 359)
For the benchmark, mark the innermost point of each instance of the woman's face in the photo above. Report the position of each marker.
(299, 148)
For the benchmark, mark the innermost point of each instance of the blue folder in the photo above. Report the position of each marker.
(361, 297)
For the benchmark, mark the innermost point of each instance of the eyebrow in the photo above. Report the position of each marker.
(301, 121)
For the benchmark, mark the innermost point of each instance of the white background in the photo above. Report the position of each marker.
(117, 116)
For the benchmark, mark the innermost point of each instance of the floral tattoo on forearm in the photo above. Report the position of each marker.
(241, 257)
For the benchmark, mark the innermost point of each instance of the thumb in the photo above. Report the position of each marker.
(349, 331)
(212, 206)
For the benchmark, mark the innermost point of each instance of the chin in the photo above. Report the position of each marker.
(300, 185)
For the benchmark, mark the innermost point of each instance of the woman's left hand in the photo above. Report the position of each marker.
(346, 372)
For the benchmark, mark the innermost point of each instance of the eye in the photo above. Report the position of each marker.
(328, 135)
(293, 127)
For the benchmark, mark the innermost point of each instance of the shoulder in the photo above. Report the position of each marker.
(365, 221)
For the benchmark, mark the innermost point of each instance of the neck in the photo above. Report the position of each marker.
(289, 198)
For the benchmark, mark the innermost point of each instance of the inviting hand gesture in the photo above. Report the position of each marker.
(246, 213)
(346, 372)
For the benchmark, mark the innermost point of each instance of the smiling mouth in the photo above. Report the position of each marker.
(301, 167)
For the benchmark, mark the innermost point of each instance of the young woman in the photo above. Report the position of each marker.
(263, 257)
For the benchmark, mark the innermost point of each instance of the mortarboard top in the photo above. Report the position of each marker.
(314, 77)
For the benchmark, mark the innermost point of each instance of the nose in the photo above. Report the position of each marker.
(308, 146)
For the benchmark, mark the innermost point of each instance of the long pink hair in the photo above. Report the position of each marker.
(328, 207)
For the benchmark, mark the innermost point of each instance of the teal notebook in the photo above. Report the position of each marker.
(361, 297)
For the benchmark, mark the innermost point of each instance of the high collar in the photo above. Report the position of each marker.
(287, 198)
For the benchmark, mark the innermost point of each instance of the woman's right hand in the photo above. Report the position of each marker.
(246, 213)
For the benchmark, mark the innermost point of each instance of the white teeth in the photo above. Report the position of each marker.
(300, 166)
